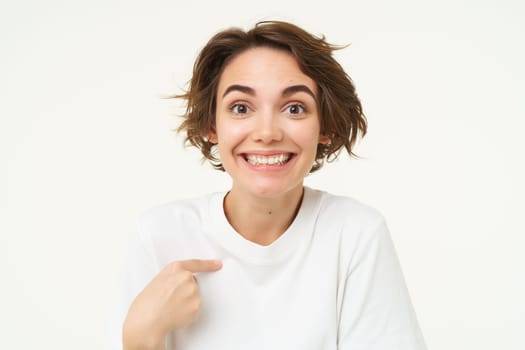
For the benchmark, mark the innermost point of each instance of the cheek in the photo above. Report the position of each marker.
(307, 135)
(229, 133)
(229, 136)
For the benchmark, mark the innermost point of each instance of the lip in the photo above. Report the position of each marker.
(268, 168)
(266, 153)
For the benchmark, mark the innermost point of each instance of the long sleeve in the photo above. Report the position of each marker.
(376, 311)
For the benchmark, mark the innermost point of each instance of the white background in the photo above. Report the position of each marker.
(86, 145)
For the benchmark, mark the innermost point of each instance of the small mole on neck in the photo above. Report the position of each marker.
(269, 213)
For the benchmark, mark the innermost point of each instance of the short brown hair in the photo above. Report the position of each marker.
(340, 111)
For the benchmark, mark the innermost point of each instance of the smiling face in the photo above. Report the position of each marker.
(267, 123)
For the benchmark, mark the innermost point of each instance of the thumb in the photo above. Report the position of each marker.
(198, 265)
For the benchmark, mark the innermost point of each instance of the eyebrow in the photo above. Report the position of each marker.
(290, 90)
(245, 89)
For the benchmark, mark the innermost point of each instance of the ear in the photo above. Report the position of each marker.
(212, 136)
(324, 139)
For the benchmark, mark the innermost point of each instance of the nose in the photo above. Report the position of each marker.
(267, 128)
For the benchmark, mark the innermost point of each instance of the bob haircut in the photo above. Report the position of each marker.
(340, 111)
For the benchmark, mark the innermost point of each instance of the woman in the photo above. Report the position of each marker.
(269, 264)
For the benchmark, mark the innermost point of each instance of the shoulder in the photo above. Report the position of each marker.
(359, 230)
(346, 210)
(175, 230)
(188, 206)
(189, 210)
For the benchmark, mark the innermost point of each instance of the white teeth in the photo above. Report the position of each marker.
(264, 160)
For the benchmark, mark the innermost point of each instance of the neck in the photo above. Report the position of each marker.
(259, 219)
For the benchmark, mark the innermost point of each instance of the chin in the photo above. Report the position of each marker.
(272, 190)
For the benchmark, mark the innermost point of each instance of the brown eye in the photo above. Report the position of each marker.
(295, 109)
(239, 108)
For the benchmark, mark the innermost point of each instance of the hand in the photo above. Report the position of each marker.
(170, 301)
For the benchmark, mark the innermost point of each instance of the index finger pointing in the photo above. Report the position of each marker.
(198, 265)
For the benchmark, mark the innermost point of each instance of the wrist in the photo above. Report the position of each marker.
(136, 342)
(135, 337)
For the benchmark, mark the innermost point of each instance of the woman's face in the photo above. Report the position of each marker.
(267, 122)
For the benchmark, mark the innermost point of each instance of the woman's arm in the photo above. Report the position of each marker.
(170, 301)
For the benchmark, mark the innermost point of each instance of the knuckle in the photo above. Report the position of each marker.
(174, 266)
(196, 306)
(184, 275)
(187, 290)
(192, 288)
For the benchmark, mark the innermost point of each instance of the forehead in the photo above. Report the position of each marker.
(262, 68)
